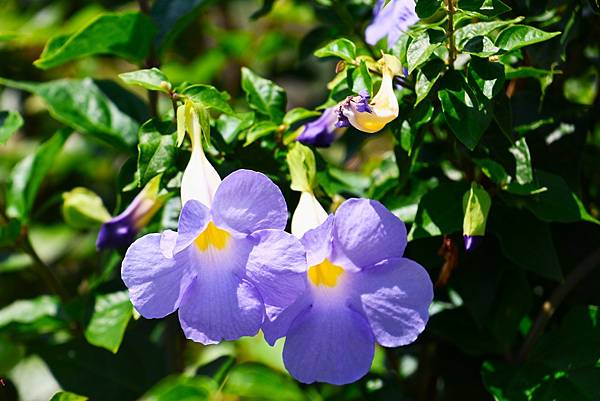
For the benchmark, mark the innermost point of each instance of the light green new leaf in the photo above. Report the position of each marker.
(109, 321)
(10, 122)
(524, 171)
(66, 396)
(182, 388)
(517, 36)
(151, 79)
(126, 35)
(298, 114)
(476, 206)
(341, 48)
(264, 95)
(85, 105)
(252, 381)
(29, 173)
(303, 168)
(83, 209)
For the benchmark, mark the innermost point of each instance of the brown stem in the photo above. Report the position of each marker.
(452, 52)
(549, 307)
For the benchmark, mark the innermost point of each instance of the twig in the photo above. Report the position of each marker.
(151, 61)
(450, 10)
(549, 307)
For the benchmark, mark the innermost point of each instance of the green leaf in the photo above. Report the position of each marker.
(484, 8)
(151, 79)
(493, 170)
(467, 117)
(361, 79)
(476, 206)
(209, 97)
(298, 114)
(66, 396)
(29, 173)
(11, 353)
(440, 211)
(264, 96)
(426, 8)
(172, 16)
(267, 6)
(525, 241)
(259, 131)
(251, 381)
(524, 171)
(557, 203)
(517, 36)
(480, 46)
(303, 168)
(340, 48)
(487, 77)
(157, 150)
(469, 31)
(85, 106)
(231, 125)
(109, 320)
(427, 77)
(182, 388)
(127, 35)
(83, 209)
(10, 122)
(28, 311)
(419, 51)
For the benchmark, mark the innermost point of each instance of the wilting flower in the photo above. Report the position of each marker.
(227, 266)
(372, 116)
(120, 231)
(361, 291)
(320, 132)
(390, 21)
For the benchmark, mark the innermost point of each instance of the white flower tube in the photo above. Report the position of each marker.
(309, 214)
(200, 179)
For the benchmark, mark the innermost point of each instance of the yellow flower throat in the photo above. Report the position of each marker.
(212, 236)
(325, 274)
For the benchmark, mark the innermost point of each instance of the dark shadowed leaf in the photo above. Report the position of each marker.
(251, 381)
(172, 16)
(84, 105)
(29, 173)
(157, 149)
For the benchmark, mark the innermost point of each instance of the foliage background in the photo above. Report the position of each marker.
(489, 336)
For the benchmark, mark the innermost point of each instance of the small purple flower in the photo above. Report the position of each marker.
(361, 291)
(390, 21)
(120, 231)
(226, 268)
(320, 132)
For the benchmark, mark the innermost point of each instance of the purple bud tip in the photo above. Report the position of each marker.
(472, 241)
(117, 233)
(342, 120)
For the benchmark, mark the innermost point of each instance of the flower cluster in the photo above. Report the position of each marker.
(334, 287)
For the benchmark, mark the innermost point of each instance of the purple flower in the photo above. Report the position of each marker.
(320, 132)
(226, 268)
(390, 21)
(361, 291)
(120, 231)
